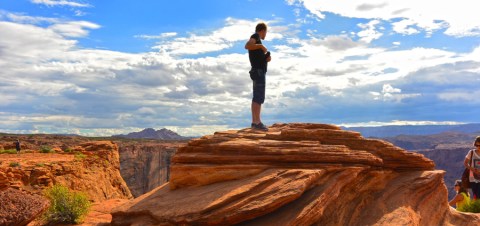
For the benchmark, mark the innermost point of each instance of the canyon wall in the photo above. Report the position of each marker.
(145, 165)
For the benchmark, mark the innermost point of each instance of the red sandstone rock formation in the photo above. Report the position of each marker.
(97, 172)
(447, 150)
(295, 174)
(144, 164)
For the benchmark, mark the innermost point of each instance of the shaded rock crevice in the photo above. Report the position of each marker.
(146, 165)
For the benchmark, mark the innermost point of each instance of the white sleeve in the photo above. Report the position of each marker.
(468, 155)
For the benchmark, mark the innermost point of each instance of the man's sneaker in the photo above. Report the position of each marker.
(259, 126)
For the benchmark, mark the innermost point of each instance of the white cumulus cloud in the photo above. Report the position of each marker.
(60, 3)
(461, 18)
(216, 40)
(369, 32)
(49, 82)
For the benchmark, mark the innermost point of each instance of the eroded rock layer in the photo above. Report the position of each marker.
(295, 174)
(91, 167)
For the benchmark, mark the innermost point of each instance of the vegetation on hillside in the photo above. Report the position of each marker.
(472, 207)
(46, 149)
(66, 207)
(9, 151)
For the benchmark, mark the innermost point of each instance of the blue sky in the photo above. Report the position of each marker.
(99, 68)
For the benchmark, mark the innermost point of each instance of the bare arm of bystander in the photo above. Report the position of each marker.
(466, 163)
(250, 45)
(458, 198)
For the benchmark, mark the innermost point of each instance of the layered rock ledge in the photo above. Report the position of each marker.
(94, 169)
(295, 174)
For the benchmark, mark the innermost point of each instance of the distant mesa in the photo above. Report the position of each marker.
(149, 133)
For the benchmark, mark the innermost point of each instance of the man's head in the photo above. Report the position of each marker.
(261, 29)
(477, 142)
(458, 185)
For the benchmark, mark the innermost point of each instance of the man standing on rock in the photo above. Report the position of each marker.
(17, 146)
(259, 58)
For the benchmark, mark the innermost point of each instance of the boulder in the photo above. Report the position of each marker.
(20, 207)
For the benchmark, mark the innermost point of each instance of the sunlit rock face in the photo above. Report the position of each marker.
(295, 174)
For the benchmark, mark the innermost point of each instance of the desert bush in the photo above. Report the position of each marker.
(79, 155)
(66, 207)
(14, 164)
(40, 164)
(46, 149)
(472, 207)
(68, 150)
(9, 151)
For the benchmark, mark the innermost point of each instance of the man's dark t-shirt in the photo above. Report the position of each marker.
(17, 145)
(257, 57)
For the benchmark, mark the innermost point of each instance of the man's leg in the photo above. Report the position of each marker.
(256, 109)
(256, 121)
(475, 190)
(258, 99)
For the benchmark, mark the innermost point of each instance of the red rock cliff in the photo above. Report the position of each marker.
(96, 172)
(295, 174)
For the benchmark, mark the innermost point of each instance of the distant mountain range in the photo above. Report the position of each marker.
(391, 131)
(149, 133)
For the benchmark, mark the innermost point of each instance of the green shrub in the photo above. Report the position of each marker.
(9, 151)
(472, 207)
(40, 164)
(66, 207)
(79, 156)
(68, 150)
(46, 149)
(14, 164)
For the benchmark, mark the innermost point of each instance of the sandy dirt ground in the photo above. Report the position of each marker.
(34, 158)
